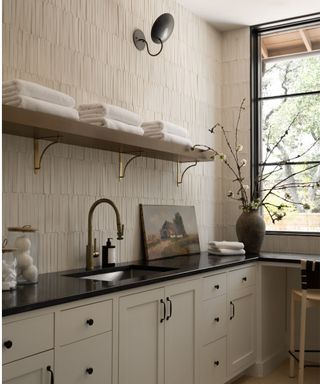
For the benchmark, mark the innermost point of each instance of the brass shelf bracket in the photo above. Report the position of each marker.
(122, 169)
(36, 149)
(179, 179)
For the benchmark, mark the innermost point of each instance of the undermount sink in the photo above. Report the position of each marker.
(121, 273)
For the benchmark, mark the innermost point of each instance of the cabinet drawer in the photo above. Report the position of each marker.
(87, 361)
(213, 286)
(214, 319)
(242, 278)
(81, 322)
(27, 337)
(213, 362)
(31, 370)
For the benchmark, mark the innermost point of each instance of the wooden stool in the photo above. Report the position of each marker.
(308, 296)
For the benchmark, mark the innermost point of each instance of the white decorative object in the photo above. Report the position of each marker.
(9, 274)
(31, 273)
(25, 243)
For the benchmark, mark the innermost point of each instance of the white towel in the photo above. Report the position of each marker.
(114, 124)
(163, 127)
(171, 139)
(26, 88)
(227, 244)
(109, 111)
(41, 106)
(228, 252)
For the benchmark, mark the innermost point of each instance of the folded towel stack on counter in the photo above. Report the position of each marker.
(111, 116)
(164, 130)
(227, 248)
(36, 97)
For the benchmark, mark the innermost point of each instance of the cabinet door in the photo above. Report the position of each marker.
(86, 361)
(181, 335)
(31, 370)
(141, 338)
(241, 335)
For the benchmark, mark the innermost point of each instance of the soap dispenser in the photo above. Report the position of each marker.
(108, 254)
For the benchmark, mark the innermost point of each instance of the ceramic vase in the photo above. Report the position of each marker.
(250, 228)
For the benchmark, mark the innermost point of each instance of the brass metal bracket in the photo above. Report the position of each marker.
(179, 179)
(122, 169)
(36, 149)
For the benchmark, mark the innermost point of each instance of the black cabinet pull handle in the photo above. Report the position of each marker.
(233, 310)
(244, 279)
(8, 344)
(89, 371)
(170, 307)
(217, 286)
(217, 319)
(90, 322)
(164, 311)
(51, 374)
(216, 363)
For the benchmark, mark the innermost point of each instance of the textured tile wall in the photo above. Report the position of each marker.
(84, 48)
(235, 87)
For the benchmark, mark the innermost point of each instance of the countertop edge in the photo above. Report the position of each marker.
(136, 284)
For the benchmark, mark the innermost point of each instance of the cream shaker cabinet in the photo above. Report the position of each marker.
(158, 335)
(84, 344)
(37, 369)
(242, 320)
(27, 350)
(188, 331)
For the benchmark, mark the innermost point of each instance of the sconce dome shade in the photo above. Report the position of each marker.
(162, 28)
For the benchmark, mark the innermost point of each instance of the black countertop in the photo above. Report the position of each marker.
(56, 288)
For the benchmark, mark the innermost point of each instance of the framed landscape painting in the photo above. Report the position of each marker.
(169, 230)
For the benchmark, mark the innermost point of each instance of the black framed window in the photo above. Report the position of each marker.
(285, 121)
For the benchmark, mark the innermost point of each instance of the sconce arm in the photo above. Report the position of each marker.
(152, 54)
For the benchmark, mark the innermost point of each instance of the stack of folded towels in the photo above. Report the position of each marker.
(36, 97)
(226, 248)
(164, 130)
(111, 116)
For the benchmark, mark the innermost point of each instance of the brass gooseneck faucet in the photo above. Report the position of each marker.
(91, 250)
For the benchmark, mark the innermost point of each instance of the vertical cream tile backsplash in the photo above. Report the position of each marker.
(84, 48)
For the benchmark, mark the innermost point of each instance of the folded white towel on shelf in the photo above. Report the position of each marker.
(171, 138)
(114, 124)
(163, 127)
(19, 87)
(226, 244)
(41, 106)
(229, 252)
(109, 111)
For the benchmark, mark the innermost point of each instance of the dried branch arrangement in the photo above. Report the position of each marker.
(260, 191)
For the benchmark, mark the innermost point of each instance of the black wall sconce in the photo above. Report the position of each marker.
(160, 32)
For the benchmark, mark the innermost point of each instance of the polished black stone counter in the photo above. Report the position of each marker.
(56, 288)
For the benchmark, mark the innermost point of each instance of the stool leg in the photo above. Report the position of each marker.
(302, 337)
(292, 329)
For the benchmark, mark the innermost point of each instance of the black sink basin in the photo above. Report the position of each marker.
(121, 273)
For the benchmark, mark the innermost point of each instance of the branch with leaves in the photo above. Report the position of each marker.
(259, 197)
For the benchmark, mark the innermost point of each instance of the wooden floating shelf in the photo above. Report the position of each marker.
(37, 125)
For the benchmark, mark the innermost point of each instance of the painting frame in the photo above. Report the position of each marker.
(169, 230)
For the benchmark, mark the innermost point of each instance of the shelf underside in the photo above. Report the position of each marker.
(22, 122)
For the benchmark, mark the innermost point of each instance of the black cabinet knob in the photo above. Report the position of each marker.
(216, 363)
(217, 319)
(90, 322)
(89, 371)
(8, 344)
(244, 279)
(217, 286)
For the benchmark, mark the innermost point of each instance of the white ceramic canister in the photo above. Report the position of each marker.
(26, 241)
(9, 268)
